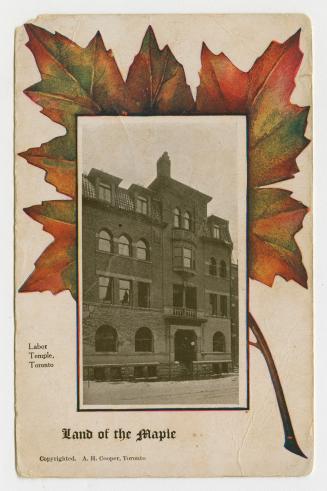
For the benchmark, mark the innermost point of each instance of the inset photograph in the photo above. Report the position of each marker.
(162, 262)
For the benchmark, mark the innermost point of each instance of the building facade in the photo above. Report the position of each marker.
(156, 281)
(234, 316)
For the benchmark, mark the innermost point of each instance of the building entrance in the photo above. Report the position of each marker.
(185, 346)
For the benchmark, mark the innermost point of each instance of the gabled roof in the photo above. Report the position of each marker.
(162, 182)
(216, 219)
(88, 189)
(103, 176)
(140, 189)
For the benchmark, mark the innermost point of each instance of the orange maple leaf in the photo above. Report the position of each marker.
(275, 138)
(87, 81)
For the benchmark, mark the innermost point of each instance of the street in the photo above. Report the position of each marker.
(223, 390)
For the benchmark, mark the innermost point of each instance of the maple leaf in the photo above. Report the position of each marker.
(274, 218)
(156, 80)
(55, 270)
(74, 81)
(276, 130)
(86, 81)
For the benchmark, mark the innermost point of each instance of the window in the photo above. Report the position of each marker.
(190, 297)
(124, 246)
(183, 258)
(142, 205)
(125, 292)
(187, 257)
(187, 220)
(222, 269)
(189, 293)
(115, 373)
(223, 305)
(147, 371)
(105, 192)
(106, 339)
(143, 339)
(213, 267)
(99, 374)
(177, 218)
(139, 372)
(105, 241)
(106, 288)
(142, 250)
(178, 256)
(178, 292)
(143, 294)
(152, 371)
(218, 341)
(216, 231)
(213, 301)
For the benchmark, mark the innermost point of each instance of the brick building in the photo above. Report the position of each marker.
(234, 316)
(156, 281)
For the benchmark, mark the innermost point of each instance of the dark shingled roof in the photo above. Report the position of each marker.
(87, 188)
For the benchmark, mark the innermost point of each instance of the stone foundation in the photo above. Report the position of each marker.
(155, 371)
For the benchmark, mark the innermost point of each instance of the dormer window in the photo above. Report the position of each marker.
(142, 205)
(187, 220)
(216, 232)
(105, 192)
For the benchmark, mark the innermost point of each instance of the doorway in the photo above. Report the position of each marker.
(185, 346)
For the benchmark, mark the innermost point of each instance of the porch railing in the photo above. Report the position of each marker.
(184, 312)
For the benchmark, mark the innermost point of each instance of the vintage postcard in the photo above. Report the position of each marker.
(164, 246)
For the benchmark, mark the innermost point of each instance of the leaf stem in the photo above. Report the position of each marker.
(290, 439)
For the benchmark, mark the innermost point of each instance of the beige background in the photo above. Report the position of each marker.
(208, 444)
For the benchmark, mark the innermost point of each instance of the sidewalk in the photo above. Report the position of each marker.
(222, 390)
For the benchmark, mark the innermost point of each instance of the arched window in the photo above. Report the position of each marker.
(213, 267)
(142, 250)
(106, 339)
(105, 241)
(143, 339)
(177, 218)
(124, 246)
(222, 269)
(187, 220)
(219, 343)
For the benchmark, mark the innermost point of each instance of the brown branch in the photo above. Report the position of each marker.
(290, 439)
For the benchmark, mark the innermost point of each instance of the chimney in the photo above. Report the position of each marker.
(163, 165)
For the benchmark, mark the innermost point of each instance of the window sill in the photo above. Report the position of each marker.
(134, 307)
(182, 269)
(217, 276)
(106, 353)
(107, 253)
